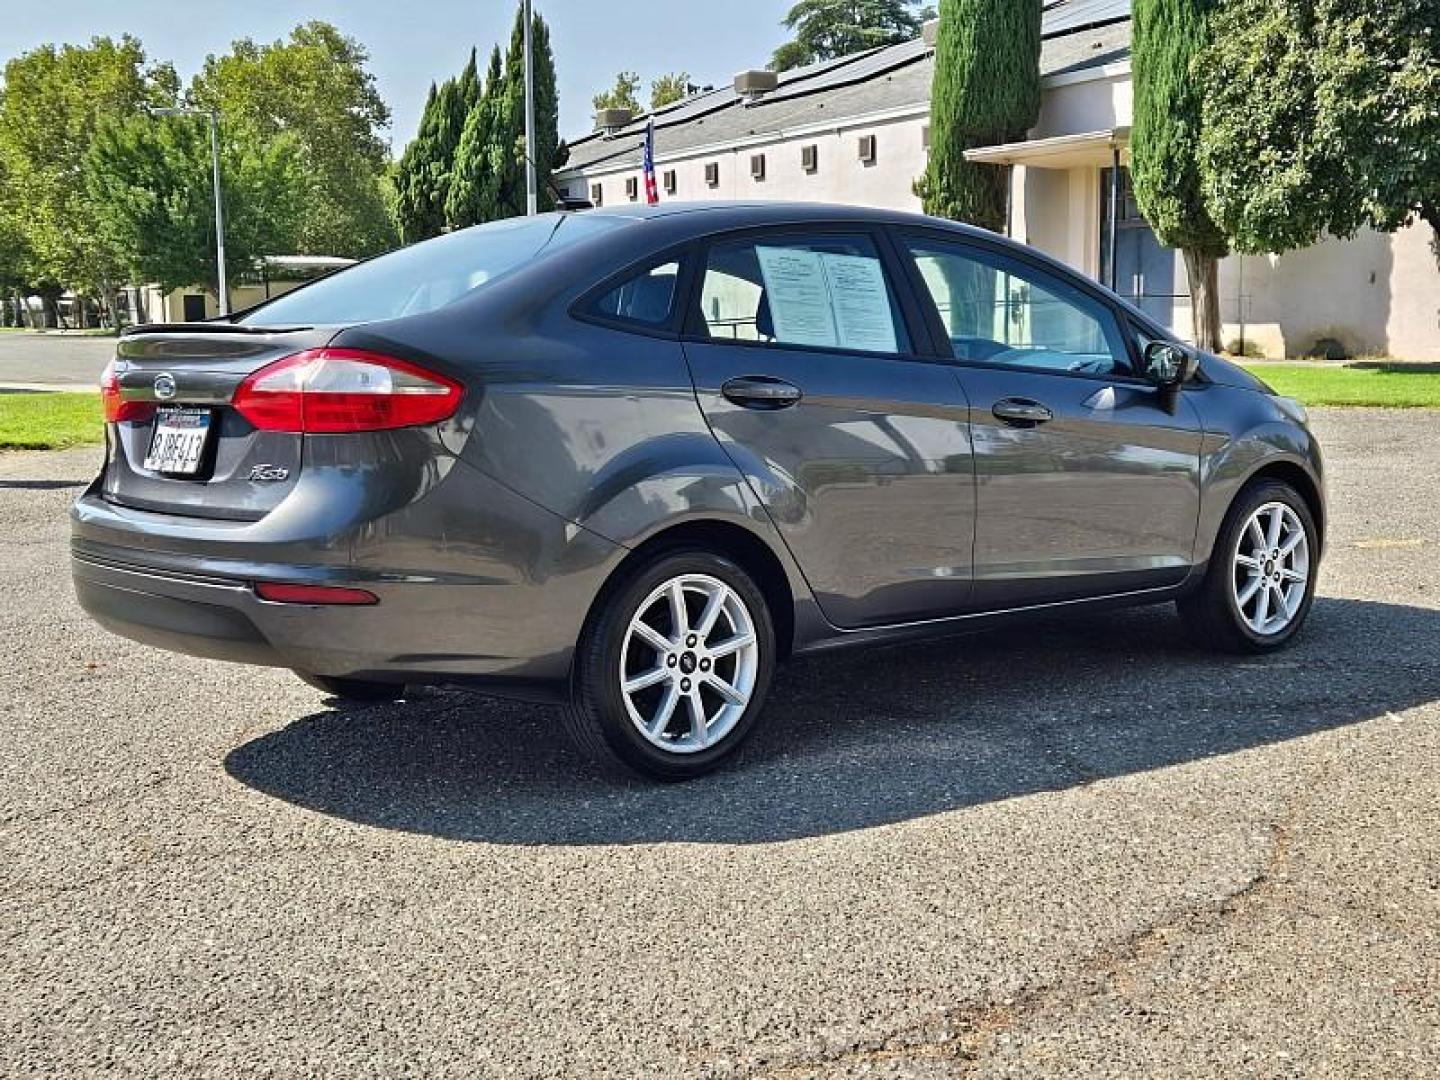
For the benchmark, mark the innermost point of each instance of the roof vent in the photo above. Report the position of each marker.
(611, 121)
(755, 84)
(930, 32)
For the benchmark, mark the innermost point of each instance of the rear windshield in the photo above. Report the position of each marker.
(427, 275)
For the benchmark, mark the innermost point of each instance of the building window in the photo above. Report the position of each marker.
(757, 166)
(712, 174)
(671, 185)
(810, 158)
(632, 188)
(866, 147)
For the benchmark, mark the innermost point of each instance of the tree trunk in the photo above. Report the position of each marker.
(1204, 274)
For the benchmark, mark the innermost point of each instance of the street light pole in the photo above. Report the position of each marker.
(532, 192)
(219, 214)
(214, 117)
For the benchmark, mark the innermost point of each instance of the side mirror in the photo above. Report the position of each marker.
(1168, 365)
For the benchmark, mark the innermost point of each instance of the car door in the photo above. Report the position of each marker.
(1087, 475)
(857, 447)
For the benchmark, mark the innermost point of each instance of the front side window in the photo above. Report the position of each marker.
(999, 312)
(648, 298)
(825, 292)
(428, 275)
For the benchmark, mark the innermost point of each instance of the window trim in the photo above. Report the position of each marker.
(917, 330)
(1022, 258)
(583, 309)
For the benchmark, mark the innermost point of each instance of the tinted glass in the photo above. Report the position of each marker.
(999, 312)
(826, 292)
(647, 298)
(428, 275)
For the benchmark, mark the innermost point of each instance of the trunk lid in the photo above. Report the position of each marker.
(242, 473)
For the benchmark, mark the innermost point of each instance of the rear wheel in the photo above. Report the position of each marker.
(673, 668)
(1260, 582)
(353, 689)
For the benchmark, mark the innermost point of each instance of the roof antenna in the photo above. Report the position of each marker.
(563, 202)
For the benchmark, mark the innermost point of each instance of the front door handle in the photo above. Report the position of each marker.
(761, 392)
(1021, 412)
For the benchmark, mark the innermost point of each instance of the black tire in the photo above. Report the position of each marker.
(596, 715)
(1211, 614)
(353, 689)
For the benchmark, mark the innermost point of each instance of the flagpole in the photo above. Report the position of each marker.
(532, 186)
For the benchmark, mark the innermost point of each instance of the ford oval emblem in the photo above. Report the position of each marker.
(165, 386)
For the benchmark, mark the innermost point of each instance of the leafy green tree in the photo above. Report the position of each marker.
(828, 28)
(14, 257)
(54, 101)
(150, 182)
(986, 91)
(668, 89)
(313, 86)
(620, 96)
(1321, 118)
(1168, 37)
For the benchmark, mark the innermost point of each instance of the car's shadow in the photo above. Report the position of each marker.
(861, 739)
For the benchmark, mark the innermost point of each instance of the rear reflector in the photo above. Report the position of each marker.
(331, 391)
(281, 593)
(116, 408)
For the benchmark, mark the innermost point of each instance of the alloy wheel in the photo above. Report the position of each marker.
(689, 663)
(1271, 568)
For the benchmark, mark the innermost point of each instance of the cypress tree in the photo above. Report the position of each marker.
(547, 151)
(423, 178)
(1166, 145)
(986, 91)
(411, 206)
(474, 194)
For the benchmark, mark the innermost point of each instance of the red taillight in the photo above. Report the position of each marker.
(116, 407)
(328, 391)
(283, 593)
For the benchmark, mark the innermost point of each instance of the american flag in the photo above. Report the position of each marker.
(652, 190)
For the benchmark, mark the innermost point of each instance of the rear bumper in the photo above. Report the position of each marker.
(463, 607)
(411, 636)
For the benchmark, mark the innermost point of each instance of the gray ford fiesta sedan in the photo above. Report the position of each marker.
(627, 461)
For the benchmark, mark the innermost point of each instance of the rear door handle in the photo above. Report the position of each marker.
(1021, 412)
(761, 392)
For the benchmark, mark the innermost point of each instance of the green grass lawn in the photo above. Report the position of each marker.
(1352, 386)
(49, 421)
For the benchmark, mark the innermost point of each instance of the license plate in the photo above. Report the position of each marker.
(178, 445)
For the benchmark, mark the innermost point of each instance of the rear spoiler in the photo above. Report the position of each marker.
(213, 326)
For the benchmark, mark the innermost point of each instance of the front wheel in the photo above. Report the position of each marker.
(1260, 583)
(673, 667)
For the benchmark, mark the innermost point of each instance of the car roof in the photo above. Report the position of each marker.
(730, 213)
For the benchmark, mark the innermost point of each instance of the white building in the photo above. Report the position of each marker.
(855, 130)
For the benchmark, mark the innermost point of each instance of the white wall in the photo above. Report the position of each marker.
(840, 178)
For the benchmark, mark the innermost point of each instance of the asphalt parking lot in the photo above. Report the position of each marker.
(1082, 848)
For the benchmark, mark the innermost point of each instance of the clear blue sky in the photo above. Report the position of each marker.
(412, 43)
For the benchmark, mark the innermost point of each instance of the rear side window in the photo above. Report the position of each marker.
(820, 291)
(430, 274)
(647, 299)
